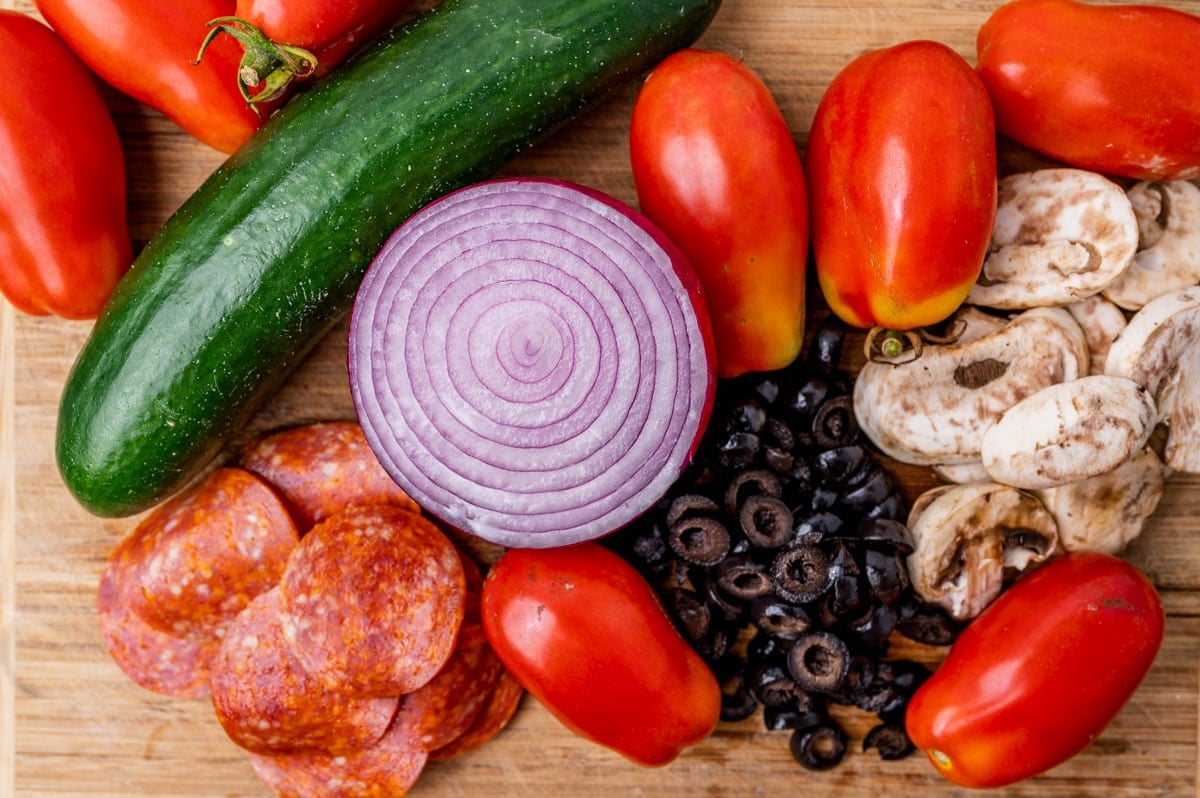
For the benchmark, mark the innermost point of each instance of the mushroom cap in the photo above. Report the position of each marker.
(934, 410)
(1179, 408)
(1061, 235)
(1155, 339)
(1101, 321)
(1105, 512)
(1068, 432)
(968, 539)
(1168, 256)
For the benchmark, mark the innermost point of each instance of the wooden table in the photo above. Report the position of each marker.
(72, 725)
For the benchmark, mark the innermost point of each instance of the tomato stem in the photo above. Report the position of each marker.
(267, 68)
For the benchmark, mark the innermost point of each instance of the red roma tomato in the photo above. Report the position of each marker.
(716, 168)
(901, 164)
(1040, 673)
(146, 50)
(1111, 88)
(302, 38)
(64, 242)
(585, 634)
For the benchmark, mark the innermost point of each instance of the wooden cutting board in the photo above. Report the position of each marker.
(72, 725)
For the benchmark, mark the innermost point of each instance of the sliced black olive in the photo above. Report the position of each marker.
(692, 615)
(747, 415)
(873, 630)
(885, 533)
(845, 587)
(816, 527)
(783, 619)
(870, 684)
(838, 466)
(716, 642)
(690, 505)
(790, 716)
(834, 424)
(819, 747)
(771, 684)
(768, 387)
(825, 350)
(928, 624)
(736, 702)
(778, 460)
(754, 482)
(694, 532)
(779, 435)
(887, 574)
(766, 521)
(891, 740)
(800, 574)
(891, 507)
(723, 608)
(818, 660)
(870, 492)
(766, 648)
(738, 450)
(742, 578)
(648, 546)
(824, 497)
(807, 397)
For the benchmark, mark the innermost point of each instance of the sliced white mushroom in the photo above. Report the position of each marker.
(961, 473)
(1168, 256)
(1179, 406)
(1104, 513)
(1060, 235)
(972, 323)
(1156, 338)
(933, 410)
(968, 540)
(1102, 321)
(1068, 432)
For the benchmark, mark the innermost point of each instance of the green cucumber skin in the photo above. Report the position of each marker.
(266, 256)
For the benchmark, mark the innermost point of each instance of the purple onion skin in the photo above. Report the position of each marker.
(532, 361)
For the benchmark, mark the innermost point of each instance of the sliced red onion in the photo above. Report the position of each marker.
(531, 361)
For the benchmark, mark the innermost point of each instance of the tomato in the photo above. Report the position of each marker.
(716, 169)
(1040, 673)
(901, 163)
(146, 50)
(1110, 88)
(585, 634)
(301, 38)
(64, 242)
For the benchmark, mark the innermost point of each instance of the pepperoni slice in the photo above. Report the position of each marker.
(321, 469)
(267, 703)
(444, 708)
(502, 704)
(474, 579)
(372, 600)
(156, 660)
(387, 769)
(203, 555)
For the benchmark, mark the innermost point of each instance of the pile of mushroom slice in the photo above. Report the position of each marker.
(1070, 394)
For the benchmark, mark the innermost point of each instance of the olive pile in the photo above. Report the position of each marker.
(781, 555)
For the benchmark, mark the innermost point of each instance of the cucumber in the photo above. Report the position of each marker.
(265, 258)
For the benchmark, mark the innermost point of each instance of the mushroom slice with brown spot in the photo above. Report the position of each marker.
(1104, 513)
(961, 473)
(1101, 321)
(933, 410)
(1068, 432)
(969, 540)
(1060, 235)
(1168, 256)
(1156, 338)
(1179, 406)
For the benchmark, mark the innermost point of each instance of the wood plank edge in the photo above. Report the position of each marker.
(8, 552)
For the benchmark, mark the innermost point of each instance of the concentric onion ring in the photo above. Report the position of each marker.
(532, 361)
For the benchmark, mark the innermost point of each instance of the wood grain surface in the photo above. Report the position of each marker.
(72, 725)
